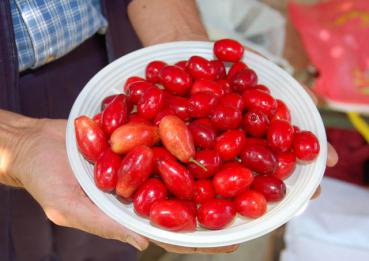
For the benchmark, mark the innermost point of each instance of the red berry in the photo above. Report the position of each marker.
(203, 85)
(150, 192)
(200, 68)
(232, 182)
(210, 159)
(251, 204)
(225, 118)
(137, 89)
(258, 158)
(286, 164)
(179, 105)
(306, 145)
(218, 69)
(131, 80)
(216, 213)
(283, 113)
(230, 144)
(256, 123)
(152, 71)
(150, 103)
(228, 50)
(175, 80)
(256, 100)
(280, 135)
(182, 65)
(201, 104)
(243, 80)
(204, 191)
(203, 134)
(106, 170)
(236, 67)
(272, 188)
(232, 100)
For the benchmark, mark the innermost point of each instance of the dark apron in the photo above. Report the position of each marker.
(25, 232)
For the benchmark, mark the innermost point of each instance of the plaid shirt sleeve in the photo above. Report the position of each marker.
(48, 29)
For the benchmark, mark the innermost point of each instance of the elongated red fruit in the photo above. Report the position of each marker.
(133, 134)
(91, 139)
(173, 215)
(177, 138)
(106, 170)
(115, 114)
(135, 168)
(176, 177)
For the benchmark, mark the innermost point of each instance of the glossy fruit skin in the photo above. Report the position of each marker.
(182, 65)
(231, 165)
(151, 191)
(282, 113)
(131, 80)
(272, 188)
(91, 139)
(203, 135)
(306, 146)
(106, 170)
(258, 141)
(210, 159)
(204, 85)
(201, 104)
(225, 118)
(107, 100)
(135, 168)
(230, 144)
(261, 87)
(175, 80)
(160, 153)
(137, 89)
(150, 103)
(216, 213)
(115, 114)
(232, 182)
(130, 135)
(179, 105)
(258, 158)
(232, 100)
(133, 117)
(176, 177)
(200, 68)
(280, 135)
(204, 191)
(296, 129)
(218, 69)
(161, 114)
(152, 71)
(172, 215)
(251, 204)
(244, 80)
(177, 138)
(286, 164)
(255, 123)
(228, 50)
(97, 119)
(235, 68)
(225, 86)
(256, 100)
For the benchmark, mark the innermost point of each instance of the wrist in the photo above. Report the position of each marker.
(17, 134)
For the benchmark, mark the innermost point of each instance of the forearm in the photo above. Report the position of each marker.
(157, 21)
(14, 132)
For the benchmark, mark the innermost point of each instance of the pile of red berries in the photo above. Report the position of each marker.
(195, 142)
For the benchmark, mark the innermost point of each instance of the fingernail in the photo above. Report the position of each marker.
(130, 240)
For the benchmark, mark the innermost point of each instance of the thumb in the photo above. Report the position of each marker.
(87, 217)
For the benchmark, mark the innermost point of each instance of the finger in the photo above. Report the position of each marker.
(87, 217)
(317, 193)
(332, 158)
(197, 250)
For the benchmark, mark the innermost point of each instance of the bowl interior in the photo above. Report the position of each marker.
(300, 186)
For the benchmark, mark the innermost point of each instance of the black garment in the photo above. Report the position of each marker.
(49, 91)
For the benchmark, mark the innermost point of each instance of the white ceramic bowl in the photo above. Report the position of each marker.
(300, 186)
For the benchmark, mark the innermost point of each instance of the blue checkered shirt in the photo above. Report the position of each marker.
(48, 29)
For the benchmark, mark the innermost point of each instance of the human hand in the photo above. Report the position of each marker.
(42, 168)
